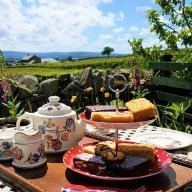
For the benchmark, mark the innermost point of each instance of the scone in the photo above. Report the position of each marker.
(112, 117)
(142, 150)
(142, 109)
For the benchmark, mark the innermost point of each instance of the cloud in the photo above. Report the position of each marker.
(58, 24)
(144, 31)
(163, 19)
(122, 15)
(102, 40)
(125, 37)
(149, 42)
(118, 30)
(133, 28)
(143, 8)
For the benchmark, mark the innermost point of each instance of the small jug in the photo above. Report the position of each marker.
(28, 149)
(7, 137)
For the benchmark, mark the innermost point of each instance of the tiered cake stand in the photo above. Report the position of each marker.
(113, 81)
(163, 158)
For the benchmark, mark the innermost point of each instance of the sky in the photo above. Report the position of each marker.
(74, 25)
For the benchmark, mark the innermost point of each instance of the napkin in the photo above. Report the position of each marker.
(80, 188)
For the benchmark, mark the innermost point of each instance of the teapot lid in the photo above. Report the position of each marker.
(54, 107)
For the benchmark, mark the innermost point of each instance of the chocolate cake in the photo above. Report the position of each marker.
(95, 108)
(130, 166)
(89, 162)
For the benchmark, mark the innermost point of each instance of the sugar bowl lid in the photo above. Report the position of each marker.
(53, 107)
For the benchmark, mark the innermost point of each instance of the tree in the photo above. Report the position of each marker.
(177, 27)
(70, 58)
(107, 51)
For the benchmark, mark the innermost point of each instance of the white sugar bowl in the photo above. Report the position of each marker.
(59, 124)
(28, 149)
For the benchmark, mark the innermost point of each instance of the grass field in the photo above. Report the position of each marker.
(74, 67)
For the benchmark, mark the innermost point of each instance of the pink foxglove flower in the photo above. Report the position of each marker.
(5, 88)
(136, 76)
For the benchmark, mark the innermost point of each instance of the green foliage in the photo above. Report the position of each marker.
(173, 116)
(177, 26)
(107, 51)
(140, 93)
(2, 65)
(148, 53)
(121, 103)
(137, 47)
(13, 106)
(183, 56)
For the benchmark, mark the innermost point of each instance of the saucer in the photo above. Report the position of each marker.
(30, 166)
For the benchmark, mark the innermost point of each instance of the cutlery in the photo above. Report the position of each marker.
(181, 159)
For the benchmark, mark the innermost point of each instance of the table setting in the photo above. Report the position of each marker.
(123, 152)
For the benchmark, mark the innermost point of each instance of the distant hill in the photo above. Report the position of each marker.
(59, 55)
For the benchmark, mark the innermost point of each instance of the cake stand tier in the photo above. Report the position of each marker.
(116, 126)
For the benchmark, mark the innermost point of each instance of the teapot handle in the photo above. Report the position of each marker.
(24, 116)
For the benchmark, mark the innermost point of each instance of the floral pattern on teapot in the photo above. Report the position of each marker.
(56, 143)
(69, 125)
(33, 158)
(6, 149)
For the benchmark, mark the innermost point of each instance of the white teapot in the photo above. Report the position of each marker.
(59, 124)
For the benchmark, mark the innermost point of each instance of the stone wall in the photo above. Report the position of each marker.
(86, 87)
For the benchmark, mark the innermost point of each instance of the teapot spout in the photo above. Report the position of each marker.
(81, 129)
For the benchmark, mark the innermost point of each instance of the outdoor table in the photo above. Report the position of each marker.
(54, 175)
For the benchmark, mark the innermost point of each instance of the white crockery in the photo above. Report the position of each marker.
(28, 149)
(6, 140)
(6, 145)
(59, 124)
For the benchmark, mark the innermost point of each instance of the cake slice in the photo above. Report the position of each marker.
(131, 166)
(137, 149)
(90, 163)
(112, 117)
(142, 109)
(98, 108)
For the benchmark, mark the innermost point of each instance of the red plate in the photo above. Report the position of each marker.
(122, 126)
(162, 162)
